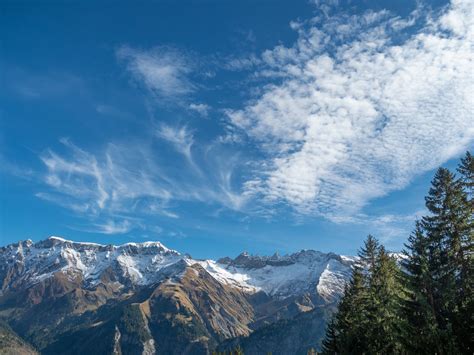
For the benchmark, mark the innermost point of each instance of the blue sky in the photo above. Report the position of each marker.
(218, 126)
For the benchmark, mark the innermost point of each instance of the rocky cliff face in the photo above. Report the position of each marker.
(145, 298)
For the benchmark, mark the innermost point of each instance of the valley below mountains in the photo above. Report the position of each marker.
(58, 296)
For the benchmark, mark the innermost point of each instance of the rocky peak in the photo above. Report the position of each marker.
(139, 264)
(131, 263)
(149, 247)
(203, 298)
(245, 260)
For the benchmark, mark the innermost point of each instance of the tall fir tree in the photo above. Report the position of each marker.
(446, 231)
(463, 259)
(368, 258)
(466, 171)
(330, 344)
(387, 294)
(418, 308)
(351, 319)
(369, 315)
(346, 332)
(368, 254)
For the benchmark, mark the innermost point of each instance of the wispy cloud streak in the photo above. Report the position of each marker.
(129, 181)
(163, 70)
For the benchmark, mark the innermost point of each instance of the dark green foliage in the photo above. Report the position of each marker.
(466, 172)
(287, 336)
(133, 329)
(448, 232)
(386, 292)
(369, 315)
(464, 325)
(368, 254)
(351, 319)
(330, 343)
(425, 306)
(87, 340)
(418, 309)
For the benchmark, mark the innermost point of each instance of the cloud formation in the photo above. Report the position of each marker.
(201, 109)
(164, 71)
(115, 187)
(179, 137)
(355, 109)
(360, 105)
(113, 227)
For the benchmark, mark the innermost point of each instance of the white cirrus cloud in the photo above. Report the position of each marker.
(75, 177)
(116, 187)
(181, 138)
(113, 227)
(200, 108)
(163, 70)
(360, 105)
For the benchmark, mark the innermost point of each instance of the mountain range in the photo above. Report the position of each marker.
(59, 296)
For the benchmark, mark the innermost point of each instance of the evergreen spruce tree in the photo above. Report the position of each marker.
(367, 264)
(351, 328)
(418, 307)
(330, 344)
(368, 254)
(346, 332)
(466, 170)
(463, 259)
(387, 320)
(447, 231)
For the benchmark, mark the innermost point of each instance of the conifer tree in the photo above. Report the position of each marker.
(466, 170)
(350, 329)
(387, 321)
(463, 259)
(346, 333)
(368, 254)
(353, 320)
(418, 308)
(447, 233)
(437, 226)
(367, 264)
(330, 344)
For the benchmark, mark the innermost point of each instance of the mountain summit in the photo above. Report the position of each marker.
(57, 290)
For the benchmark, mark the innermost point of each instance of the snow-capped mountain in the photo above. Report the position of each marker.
(284, 276)
(135, 263)
(58, 294)
(139, 264)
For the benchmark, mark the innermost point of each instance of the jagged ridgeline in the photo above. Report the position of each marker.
(60, 296)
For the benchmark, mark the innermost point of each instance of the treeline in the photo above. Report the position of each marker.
(419, 302)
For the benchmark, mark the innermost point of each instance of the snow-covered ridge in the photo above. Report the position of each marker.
(139, 264)
(148, 244)
(136, 263)
(307, 271)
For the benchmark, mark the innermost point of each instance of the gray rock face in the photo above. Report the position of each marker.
(60, 294)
